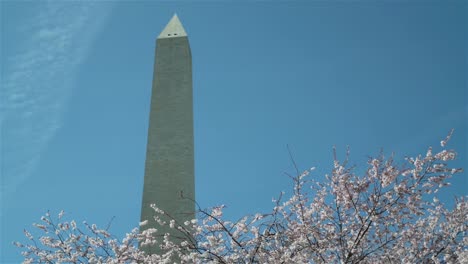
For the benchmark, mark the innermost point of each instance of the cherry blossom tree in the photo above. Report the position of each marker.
(389, 213)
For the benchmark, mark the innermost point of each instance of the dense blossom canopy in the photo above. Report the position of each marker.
(387, 214)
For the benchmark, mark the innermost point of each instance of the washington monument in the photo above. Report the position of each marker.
(169, 169)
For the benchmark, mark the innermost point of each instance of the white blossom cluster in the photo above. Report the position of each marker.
(387, 214)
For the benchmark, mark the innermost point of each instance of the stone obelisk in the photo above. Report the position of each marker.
(169, 170)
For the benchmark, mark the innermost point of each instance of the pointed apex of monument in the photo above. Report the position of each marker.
(173, 29)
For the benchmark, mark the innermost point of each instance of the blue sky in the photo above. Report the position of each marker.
(76, 83)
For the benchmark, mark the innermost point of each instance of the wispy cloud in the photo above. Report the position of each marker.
(38, 79)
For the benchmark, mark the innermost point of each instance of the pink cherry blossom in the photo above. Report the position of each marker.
(387, 214)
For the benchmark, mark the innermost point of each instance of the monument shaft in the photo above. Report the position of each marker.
(169, 170)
